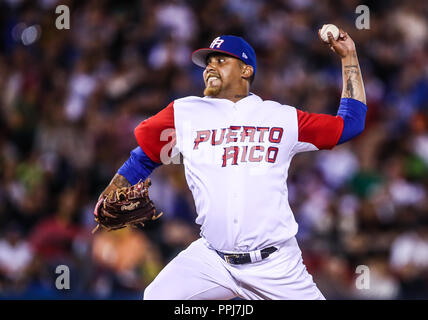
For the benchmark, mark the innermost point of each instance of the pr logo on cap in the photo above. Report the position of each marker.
(216, 43)
(229, 45)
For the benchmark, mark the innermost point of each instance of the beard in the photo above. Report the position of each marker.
(212, 91)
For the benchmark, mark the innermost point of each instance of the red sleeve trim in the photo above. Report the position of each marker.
(148, 132)
(321, 130)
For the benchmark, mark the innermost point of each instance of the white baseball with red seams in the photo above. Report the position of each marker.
(236, 159)
(326, 28)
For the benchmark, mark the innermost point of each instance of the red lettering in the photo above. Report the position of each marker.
(262, 133)
(220, 141)
(253, 149)
(244, 153)
(248, 132)
(231, 135)
(279, 136)
(230, 153)
(201, 136)
(269, 157)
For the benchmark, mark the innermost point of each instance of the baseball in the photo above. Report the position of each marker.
(329, 28)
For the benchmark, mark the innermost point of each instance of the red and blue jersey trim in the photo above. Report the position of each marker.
(148, 132)
(321, 130)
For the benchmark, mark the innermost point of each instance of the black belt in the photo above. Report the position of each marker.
(242, 258)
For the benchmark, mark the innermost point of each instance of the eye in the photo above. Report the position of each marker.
(221, 60)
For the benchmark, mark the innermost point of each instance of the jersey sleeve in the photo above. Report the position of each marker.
(317, 131)
(154, 133)
(353, 112)
(138, 166)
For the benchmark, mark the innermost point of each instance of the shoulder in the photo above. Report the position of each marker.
(188, 100)
(275, 104)
(271, 103)
(278, 108)
(192, 105)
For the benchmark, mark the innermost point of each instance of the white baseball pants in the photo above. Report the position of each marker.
(199, 273)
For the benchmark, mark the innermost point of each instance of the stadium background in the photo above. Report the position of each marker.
(70, 99)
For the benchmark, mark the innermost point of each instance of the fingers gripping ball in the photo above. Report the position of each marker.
(329, 28)
(129, 206)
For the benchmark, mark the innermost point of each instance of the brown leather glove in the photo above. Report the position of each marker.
(128, 206)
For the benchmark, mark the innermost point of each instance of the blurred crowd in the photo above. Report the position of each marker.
(70, 99)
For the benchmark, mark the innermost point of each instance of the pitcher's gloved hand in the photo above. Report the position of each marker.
(128, 206)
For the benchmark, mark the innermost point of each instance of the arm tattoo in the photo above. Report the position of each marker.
(352, 80)
(351, 74)
(349, 89)
(353, 86)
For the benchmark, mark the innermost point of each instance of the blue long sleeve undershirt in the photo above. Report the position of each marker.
(353, 113)
(138, 167)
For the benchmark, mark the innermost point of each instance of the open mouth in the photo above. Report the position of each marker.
(212, 79)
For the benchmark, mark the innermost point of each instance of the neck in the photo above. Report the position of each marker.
(237, 97)
(234, 97)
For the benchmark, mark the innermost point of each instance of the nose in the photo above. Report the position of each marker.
(209, 67)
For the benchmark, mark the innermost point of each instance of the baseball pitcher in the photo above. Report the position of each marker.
(236, 149)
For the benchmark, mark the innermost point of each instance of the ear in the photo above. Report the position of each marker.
(247, 71)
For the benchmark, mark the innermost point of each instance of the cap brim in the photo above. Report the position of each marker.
(199, 57)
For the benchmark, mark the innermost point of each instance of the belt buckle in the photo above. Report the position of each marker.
(230, 256)
(227, 258)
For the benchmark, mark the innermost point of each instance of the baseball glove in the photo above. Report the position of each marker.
(128, 206)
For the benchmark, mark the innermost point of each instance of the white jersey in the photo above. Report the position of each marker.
(236, 158)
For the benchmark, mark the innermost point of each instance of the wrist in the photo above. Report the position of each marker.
(119, 181)
(351, 56)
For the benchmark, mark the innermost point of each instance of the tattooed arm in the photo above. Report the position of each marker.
(344, 46)
(353, 108)
(353, 86)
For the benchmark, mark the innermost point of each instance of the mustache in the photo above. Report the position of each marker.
(212, 74)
